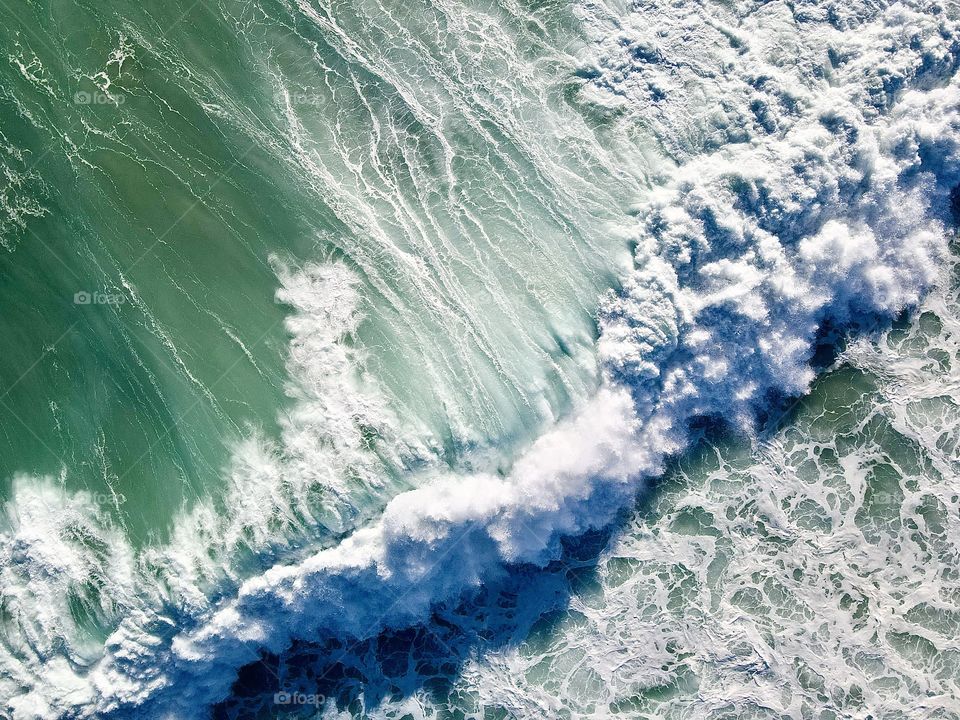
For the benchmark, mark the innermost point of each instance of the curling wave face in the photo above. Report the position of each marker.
(817, 198)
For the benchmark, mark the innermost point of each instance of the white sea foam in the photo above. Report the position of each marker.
(69, 575)
(810, 573)
(743, 256)
(811, 190)
(62, 564)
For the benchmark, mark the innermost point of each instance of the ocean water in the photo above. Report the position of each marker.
(480, 359)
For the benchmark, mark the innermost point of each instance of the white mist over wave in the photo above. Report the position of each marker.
(743, 256)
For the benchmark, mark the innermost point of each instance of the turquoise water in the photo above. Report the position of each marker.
(497, 359)
(201, 154)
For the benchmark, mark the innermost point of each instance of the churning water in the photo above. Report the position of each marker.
(494, 359)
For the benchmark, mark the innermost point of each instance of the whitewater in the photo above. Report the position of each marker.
(751, 182)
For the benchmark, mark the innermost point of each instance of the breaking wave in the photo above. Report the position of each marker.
(817, 199)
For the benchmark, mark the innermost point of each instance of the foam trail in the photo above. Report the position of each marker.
(742, 258)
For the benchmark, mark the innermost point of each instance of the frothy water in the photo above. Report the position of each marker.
(463, 394)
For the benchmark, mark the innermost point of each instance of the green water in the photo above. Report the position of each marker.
(165, 154)
(139, 399)
(266, 265)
